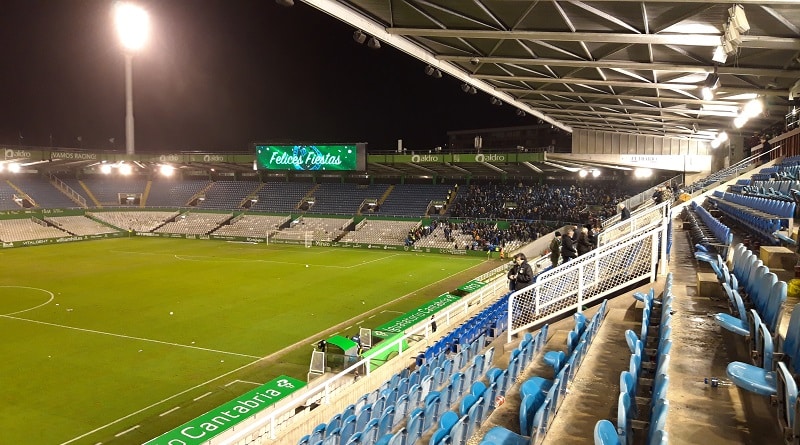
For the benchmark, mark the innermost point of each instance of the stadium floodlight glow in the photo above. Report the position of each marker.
(722, 137)
(14, 167)
(753, 108)
(2, 166)
(167, 170)
(583, 173)
(643, 173)
(133, 28)
(595, 173)
(125, 169)
(740, 121)
(133, 25)
(105, 169)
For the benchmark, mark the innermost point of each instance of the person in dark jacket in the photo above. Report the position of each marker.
(555, 249)
(512, 275)
(568, 249)
(584, 245)
(624, 212)
(524, 276)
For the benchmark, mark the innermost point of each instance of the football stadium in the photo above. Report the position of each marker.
(623, 270)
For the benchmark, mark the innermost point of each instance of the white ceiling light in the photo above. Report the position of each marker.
(14, 167)
(105, 169)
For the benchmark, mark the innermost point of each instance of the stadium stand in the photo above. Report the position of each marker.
(412, 199)
(27, 229)
(79, 225)
(381, 232)
(107, 189)
(344, 199)
(43, 193)
(281, 196)
(173, 193)
(7, 194)
(137, 221)
(320, 229)
(194, 223)
(227, 194)
(261, 226)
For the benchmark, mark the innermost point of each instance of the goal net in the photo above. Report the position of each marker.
(309, 239)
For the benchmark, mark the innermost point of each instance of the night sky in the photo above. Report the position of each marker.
(218, 75)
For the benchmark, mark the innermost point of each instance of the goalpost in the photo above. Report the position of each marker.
(309, 238)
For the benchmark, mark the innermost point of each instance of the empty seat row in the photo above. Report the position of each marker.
(541, 398)
(642, 405)
(767, 206)
(759, 224)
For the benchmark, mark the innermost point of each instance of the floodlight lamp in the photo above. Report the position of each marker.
(133, 25)
(105, 169)
(583, 173)
(429, 70)
(722, 136)
(437, 74)
(739, 121)
(719, 55)
(715, 143)
(359, 37)
(472, 90)
(738, 18)
(465, 87)
(167, 170)
(374, 43)
(14, 167)
(595, 173)
(2, 166)
(125, 169)
(520, 113)
(712, 80)
(708, 93)
(753, 108)
(643, 173)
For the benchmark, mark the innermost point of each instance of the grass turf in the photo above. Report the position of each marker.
(102, 336)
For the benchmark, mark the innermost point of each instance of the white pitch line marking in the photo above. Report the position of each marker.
(131, 337)
(249, 382)
(391, 312)
(371, 316)
(200, 397)
(126, 431)
(52, 296)
(167, 412)
(274, 354)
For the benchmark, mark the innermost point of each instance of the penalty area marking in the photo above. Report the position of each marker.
(52, 296)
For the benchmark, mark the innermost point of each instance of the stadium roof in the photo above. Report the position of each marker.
(626, 66)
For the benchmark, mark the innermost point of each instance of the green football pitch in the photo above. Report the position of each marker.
(119, 340)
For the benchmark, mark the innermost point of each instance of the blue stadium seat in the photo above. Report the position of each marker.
(501, 436)
(605, 433)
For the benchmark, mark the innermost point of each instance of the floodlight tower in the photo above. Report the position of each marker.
(133, 27)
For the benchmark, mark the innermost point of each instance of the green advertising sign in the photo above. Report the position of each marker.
(307, 157)
(471, 286)
(409, 319)
(222, 418)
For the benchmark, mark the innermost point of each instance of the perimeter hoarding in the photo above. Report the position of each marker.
(321, 157)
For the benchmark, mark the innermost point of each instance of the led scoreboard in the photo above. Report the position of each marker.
(330, 157)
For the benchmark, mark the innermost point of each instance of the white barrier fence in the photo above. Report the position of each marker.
(290, 420)
(651, 216)
(586, 279)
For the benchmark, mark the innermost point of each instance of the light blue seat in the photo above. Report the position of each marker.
(555, 359)
(738, 324)
(631, 338)
(447, 420)
(415, 424)
(478, 388)
(386, 421)
(535, 385)
(501, 436)
(318, 433)
(370, 433)
(605, 433)
(657, 419)
(332, 437)
(304, 440)
(363, 417)
(649, 296)
(760, 380)
(355, 439)
(527, 409)
(399, 438)
(400, 410)
(439, 437)
(624, 418)
(461, 431)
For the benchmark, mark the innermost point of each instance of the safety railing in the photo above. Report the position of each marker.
(594, 277)
(643, 218)
(635, 201)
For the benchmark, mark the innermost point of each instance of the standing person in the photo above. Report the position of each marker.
(765, 148)
(433, 323)
(555, 249)
(512, 274)
(624, 212)
(568, 249)
(524, 276)
(584, 245)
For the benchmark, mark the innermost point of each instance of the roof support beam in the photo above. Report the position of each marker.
(709, 40)
(628, 84)
(522, 94)
(623, 64)
(654, 109)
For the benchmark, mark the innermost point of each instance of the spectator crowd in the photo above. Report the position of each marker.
(538, 202)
